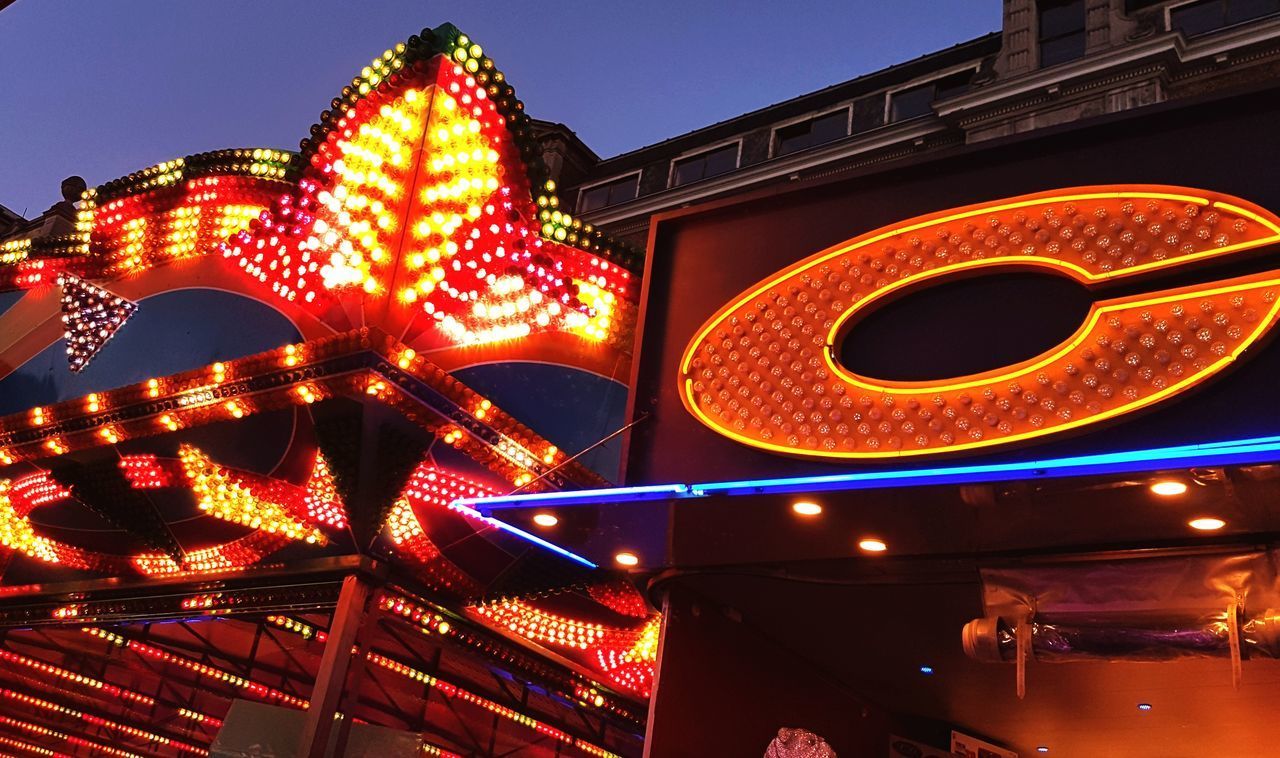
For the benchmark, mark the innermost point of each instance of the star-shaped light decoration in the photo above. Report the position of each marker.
(416, 210)
(90, 316)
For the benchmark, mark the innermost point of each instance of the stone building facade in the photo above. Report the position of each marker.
(1054, 62)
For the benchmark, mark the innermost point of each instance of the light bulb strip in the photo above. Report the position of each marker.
(430, 486)
(249, 501)
(584, 692)
(437, 752)
(571, 687)
(628, 659)
(478, 205)
(97, 699)
(203, 670)
(98, 721)
(520, 618)
(361, 362)
(300, 628)
(625, 656)
(98, 688)
(70, 739)
(454, 692)
(18, 744)
(21, 496)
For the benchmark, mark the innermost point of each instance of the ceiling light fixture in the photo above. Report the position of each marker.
(1206, 523)
(1042, 749)
(626, 559)
(872, 545)
(1168, 487)
(1144, 706)
(806, 508)
(926, 670)
(545, 519)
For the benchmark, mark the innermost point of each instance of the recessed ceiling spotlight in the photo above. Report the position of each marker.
(1042, 749)
(806, 508)
(545, 519)
(872, 545)
(1168, 487)
(926, 670)
(626, 559)
(1206, 523)
(1144, 706)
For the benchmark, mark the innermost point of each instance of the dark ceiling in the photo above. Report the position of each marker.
(874, 620)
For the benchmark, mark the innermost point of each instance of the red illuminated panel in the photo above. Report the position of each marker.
(170, 216)
(246, 551)
(626, 656)
(277, 511)
(144, 472)
(257, 502)
(429, 488)
(762, 370)
(620, 596)
(323, 504)
(540, 626)
(628, 660)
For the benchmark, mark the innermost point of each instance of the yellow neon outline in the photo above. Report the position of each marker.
(1196, 378)
(904, 388)
(1039, 200)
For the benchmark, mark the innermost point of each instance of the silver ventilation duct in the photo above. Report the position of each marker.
(1191, 605)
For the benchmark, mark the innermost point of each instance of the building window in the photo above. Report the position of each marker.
(868, 114)
(609, 193)
(816, 131)
(705, 165)
(918, 101)
(1061, 31)
(1193, 19)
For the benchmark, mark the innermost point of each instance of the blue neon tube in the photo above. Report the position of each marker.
(1226, 452)
(535, 539)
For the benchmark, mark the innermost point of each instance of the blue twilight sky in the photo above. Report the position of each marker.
(104, 88)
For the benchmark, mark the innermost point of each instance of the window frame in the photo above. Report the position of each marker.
(773, 133)
(1168, 18)
(713, 147)
(1146, 4)
(932, 79)
(584, 188)
(1084, 33)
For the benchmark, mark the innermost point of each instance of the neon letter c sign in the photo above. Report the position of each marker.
(761, 370)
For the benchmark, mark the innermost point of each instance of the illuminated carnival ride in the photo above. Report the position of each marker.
(414, 232)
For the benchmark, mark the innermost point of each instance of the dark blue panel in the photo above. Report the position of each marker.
(171, 332)
(572, 408)
(7, 299)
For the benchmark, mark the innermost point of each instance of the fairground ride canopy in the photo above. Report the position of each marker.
(296, 394)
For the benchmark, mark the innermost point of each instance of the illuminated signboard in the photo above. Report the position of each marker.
(764, 370)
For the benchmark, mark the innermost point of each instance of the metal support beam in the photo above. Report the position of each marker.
(335, 661)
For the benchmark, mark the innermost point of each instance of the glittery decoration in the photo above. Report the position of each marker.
(91, 315)
(798, 743)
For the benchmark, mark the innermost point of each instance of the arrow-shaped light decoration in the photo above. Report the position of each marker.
(90, 316)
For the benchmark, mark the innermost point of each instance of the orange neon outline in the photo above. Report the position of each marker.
(688, 396)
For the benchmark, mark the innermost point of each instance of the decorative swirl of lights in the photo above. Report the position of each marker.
(276, 511)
